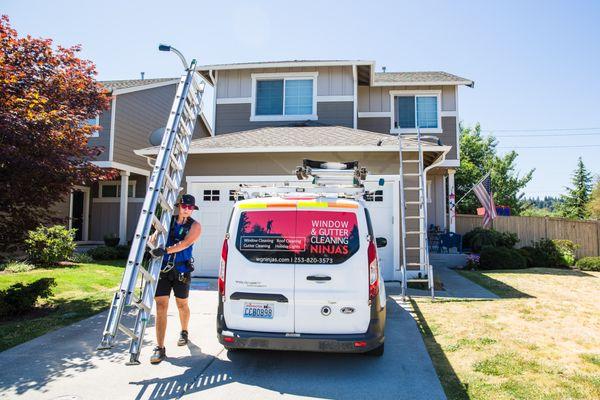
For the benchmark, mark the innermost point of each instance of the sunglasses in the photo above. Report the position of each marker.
(187, 206)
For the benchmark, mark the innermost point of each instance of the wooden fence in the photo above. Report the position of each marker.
(584, 233)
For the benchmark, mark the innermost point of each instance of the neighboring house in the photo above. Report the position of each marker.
(268, 116)
(138, 108)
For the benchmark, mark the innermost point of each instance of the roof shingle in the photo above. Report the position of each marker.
(129, 83)
(419, 78)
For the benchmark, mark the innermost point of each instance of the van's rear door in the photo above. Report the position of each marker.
(331, 275)
(259, 285)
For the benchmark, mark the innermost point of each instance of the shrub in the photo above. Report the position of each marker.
(479, 237)
(20, 298)
(81, 258)
(111, 240)
(109, 253)
(555, 253)
(16, 266)
(49, 245)
(472, 262)
(534, 257)
(588, 264)
(501, 258)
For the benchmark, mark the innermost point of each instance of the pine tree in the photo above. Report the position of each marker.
(575, 202)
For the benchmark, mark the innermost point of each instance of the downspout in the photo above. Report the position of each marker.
(215, 78)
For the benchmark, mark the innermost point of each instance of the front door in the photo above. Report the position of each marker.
(77, 214)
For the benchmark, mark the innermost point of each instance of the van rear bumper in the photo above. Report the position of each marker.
(302, 342)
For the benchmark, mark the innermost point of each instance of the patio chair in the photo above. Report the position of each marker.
(450, 240)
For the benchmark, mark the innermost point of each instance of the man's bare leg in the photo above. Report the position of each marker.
(162, 305)
(184, 313)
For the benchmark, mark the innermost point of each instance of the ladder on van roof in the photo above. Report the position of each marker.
(415, 253)
(157, 210)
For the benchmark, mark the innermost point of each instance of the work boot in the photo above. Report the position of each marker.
(159, 354)
(183, 338)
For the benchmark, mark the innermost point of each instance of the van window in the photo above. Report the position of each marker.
(298, 237)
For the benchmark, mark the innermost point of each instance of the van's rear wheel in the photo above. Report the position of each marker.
(377, 351)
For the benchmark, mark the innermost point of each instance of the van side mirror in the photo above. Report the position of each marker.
(381, 241)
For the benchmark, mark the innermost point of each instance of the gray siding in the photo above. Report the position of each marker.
(378, 124)
(236, 117)
(331, 81)
(377, 99)
(105, 219)
(137, 115)
(449, 136)
(103, 139)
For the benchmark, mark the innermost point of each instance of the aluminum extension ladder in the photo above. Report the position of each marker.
(421, 251)
(157, 210)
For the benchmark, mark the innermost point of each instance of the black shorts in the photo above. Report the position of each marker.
(170, 280)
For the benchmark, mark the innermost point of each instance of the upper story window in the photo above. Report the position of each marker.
(284, 96)
(94, 121)
(416, 109)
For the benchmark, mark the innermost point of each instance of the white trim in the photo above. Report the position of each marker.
(214, 115)
(124, 167)
(86, 211)
(416, 93)
(355, 97)
(285, 64)
(297, 149)
(123, 203)
(449, 114)
(234, 100)
(111, 146)
(450, 163)
(431, 83)
(203, 118)
(457, 126)
(325, 99)
(117, 92)
(285, 76)
(375, 114)
(117, 200)
(428, 191)
(101, 184)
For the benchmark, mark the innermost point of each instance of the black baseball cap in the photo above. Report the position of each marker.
(188, 200)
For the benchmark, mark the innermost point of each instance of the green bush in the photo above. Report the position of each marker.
(501, 258)
(111, 240)
(109, 253)
(20, 298)
(480, 237)
(534, 257)
(588, 264)
(555, 253)
(16, 266)
(49, 245)
(81, 258)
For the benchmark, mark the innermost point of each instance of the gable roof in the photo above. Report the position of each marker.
(135, 83)
(287, 139)
(418, 78)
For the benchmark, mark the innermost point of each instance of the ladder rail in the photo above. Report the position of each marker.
(402, 219)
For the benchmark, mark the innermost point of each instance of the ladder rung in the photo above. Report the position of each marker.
(170, 182)
(415, 248)
(410, 161)
(415, 217)
(127, 331)
(164, 204)
(158, 225)
(417, 280)
(415, 263)
(147, 275)
(175, 162)
(412, 202)
(413, 188)
(415, 232)
(139, 304)
(412, 174)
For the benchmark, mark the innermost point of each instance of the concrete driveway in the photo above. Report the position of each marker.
(64, 365)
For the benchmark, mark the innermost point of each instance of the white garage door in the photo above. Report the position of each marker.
(215, 202)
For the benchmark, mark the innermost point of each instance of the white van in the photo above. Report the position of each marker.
(300, 272)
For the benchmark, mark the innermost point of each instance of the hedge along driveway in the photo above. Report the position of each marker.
(81, 290)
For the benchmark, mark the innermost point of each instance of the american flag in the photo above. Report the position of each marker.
(483, 192)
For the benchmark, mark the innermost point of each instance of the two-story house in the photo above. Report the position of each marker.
(268, 116)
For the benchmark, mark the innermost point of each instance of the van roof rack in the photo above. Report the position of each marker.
(327, 179)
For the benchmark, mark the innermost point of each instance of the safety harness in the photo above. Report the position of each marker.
(176, 236)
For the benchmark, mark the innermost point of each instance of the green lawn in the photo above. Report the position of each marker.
(81, 291)
(540, 340)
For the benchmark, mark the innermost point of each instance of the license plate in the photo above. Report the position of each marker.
(258, 310)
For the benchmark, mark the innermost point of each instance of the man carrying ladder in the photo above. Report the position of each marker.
(176, 273)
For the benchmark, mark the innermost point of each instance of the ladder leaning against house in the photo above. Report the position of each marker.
(157, 210)
(414, 254)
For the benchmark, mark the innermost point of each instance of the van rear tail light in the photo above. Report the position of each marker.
(361, 343)
(228, 339)
(223, 268)
(373, 271)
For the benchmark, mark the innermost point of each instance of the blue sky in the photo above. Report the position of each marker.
(535, 63)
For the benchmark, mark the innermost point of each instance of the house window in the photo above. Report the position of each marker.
(211, 195)
(235, 195)
(376, 195)
(284, 96)
(94, 122)
(113, 189)
(412, 110)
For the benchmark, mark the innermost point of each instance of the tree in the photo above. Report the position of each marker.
(593, 206)
(574, 204)
(478, 156)
(48, 94)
